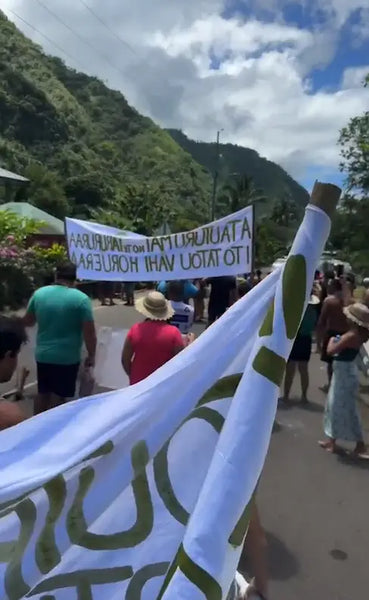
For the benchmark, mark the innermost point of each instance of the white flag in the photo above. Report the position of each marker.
(142, 493)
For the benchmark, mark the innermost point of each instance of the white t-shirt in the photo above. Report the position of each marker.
(183, 316)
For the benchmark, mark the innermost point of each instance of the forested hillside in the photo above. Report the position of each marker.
(88, 154)
(267, 176)
(84, 148)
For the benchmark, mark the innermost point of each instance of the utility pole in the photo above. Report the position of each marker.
(215, 177)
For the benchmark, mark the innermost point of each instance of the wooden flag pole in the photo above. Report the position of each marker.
(326, 197)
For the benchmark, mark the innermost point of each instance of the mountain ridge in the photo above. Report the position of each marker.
(267, 175)
(86, 134)
(89, 154)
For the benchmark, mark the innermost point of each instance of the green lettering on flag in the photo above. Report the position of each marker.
(270, 365)
(47, 553)
(76, 522)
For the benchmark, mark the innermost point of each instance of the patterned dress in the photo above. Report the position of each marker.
(341, 418)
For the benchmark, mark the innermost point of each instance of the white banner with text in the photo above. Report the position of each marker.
(102, 253)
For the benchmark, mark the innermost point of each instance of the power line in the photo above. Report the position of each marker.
(77, 35)
(83, 40)
(49, 40)
(121, 40)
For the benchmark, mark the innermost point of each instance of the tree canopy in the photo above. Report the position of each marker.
(349, 233)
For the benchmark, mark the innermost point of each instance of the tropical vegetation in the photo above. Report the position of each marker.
(350, 229)
(87, 153)
(23, 267)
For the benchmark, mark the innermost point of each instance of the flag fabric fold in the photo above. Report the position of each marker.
(142, 493)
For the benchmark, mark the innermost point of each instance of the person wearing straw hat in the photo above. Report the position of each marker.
(153, 342)
(341, 418)
(301, 351)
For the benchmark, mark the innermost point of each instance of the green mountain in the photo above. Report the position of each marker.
(234, 160)
(84, 148)
(89, 154)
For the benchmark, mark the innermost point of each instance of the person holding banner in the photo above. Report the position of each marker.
(129, 290)
(153, 342)
(199, 300)
(223, 294)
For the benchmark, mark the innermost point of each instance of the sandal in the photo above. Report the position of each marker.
(328, 446)
(362, 453)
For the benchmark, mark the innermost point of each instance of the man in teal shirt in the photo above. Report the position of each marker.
(64, 318)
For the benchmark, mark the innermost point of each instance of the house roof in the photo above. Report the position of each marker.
(53, 226)
(4, 174)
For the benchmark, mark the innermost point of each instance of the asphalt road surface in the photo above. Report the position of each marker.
(314, 506)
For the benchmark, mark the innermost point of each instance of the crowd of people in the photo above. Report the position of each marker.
(340, 325)
(334, 320)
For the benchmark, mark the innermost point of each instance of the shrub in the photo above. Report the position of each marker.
(23, 269)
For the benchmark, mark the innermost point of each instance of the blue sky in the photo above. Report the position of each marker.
(351, 51)
(279, 76)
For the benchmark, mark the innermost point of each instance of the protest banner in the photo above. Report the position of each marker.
(102, 253)
(144, 493)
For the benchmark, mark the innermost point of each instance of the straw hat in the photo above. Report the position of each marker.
(358, 313)
(154, 306)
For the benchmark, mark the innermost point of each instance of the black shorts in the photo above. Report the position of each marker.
(324, 356)
(301, 350)
(215, 311)
(57, 379)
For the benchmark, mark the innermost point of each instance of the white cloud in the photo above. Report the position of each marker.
(354, 77)
(341, 10)
(218, 34)
(334, 12)
(260, 95)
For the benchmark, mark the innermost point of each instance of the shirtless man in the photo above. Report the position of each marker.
(332, 320)
(366, 297)
(12, 336)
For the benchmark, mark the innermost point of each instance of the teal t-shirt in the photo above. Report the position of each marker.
(60, 313)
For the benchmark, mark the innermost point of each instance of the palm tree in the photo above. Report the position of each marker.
(239, 193)
(284, 212)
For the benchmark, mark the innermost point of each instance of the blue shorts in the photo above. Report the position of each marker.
(57, 379)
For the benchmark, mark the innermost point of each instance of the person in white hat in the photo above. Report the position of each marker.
(153, 342)
(341, 418)
(301, 351)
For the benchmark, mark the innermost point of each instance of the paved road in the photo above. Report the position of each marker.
(118, 317)
(314, 506)
(315, 509)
